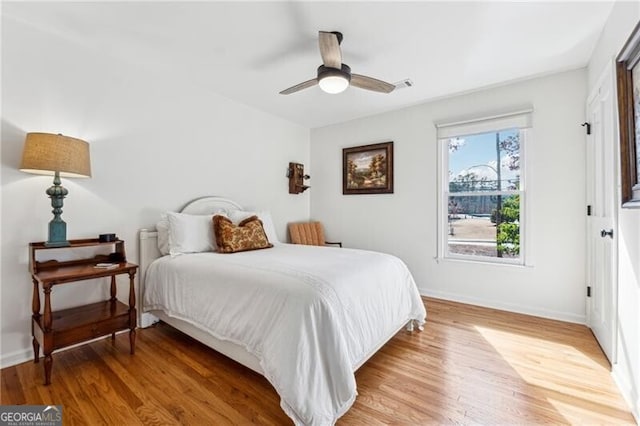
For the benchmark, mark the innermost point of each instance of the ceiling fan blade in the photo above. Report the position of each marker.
(301, 86)
(330, 49)
(370, 83)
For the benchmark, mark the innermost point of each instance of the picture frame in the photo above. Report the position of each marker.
(368, 169)
(628, 84)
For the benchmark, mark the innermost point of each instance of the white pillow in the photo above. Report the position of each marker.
(190, 233)
(162, 227)
(238, 216)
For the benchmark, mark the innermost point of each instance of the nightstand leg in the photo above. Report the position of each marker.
(48, 364)
(113, 289)
(48, 335)
(36, 350)
(113, 337)
(132, 312)
(35, 307)
(132, 340)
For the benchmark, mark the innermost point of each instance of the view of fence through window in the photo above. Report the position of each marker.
(484, 196)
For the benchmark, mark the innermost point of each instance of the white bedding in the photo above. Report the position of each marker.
(309, 314)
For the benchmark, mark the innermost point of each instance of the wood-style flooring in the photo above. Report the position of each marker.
(470, 365)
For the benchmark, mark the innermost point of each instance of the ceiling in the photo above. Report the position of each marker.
(249, 51)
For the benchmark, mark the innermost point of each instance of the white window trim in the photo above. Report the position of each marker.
(442, 254)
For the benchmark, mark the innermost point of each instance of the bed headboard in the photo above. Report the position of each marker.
(148, 239)
(209, 205)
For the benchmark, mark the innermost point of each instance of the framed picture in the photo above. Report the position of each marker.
(628, 76)
(368, 169)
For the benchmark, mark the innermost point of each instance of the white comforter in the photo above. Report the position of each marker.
(309, 314)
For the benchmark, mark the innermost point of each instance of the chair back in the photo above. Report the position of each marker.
(308, 233)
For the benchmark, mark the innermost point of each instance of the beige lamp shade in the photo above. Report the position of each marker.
(46, 153)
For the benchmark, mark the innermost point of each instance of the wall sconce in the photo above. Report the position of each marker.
(296, 176)
(57, 155)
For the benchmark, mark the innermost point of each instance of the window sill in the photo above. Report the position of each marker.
(482, 262)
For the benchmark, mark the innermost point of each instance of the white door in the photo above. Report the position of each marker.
(601, 208)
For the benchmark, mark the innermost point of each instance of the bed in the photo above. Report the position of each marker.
(305, 317)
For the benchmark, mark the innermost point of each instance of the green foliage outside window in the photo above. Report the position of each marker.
(508, 235)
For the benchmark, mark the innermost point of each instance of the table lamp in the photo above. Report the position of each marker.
(57, 155)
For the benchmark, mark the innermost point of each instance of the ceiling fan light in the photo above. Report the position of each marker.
(333, 80)
(334, 84)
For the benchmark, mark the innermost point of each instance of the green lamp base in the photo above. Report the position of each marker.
(57, 226)
(57, 234)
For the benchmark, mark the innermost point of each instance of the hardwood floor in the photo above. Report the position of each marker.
(470, 365)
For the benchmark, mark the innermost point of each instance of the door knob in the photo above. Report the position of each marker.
(604, 233)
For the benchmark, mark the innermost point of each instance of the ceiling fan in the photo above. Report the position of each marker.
(335, 76)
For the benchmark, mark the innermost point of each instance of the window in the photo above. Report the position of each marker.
(482, 214)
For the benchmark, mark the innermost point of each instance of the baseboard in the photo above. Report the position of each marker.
(24, 355)
(487, 303)
(17, 357)
(627, 390)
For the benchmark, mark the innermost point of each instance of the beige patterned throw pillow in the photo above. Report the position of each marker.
(247, 235)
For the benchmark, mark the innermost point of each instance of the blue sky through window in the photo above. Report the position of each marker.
(478, 151)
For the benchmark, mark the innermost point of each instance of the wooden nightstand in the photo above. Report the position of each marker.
(55, 330)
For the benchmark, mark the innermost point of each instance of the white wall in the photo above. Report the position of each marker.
(157, 141)
(624, 17)
(404, 223)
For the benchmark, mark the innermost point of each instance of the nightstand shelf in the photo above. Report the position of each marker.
(58, 329)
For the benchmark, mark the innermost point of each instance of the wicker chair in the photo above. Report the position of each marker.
(309, 233)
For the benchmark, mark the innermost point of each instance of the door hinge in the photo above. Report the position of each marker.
(589, 210)
(588, 291)
(588, 127)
